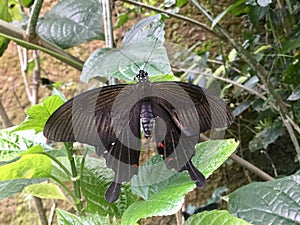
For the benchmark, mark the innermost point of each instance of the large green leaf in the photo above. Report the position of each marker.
(142, 48)
(37, 115)
(66, 218)
(150, 28)
(71, 22)
(210, 155)
(95, 180)
(274, 202)
(45, 190)
(164, 189)
(166, 200)
(27, 166)
(11, 187)
(215, 217)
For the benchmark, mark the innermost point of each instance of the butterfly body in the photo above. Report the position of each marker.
(110, 118)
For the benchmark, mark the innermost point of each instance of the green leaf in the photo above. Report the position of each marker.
(295, 94)
(292, 73)
(142, 48)
(164, 198)
(4, 15)
(127, 61)
(95, 180)
(11, 187)
(266, 136)
(27, 166)
(11, 144)
(230, 8)
(145, 30)
(164, 189)
(27, 3)
(72, 22)
(256, 14)
(66, 218)
(180, 3)
(46, 191)
(215, 217)
(274, 202)
(291, 44)
(37, 115)
(123, 18)
(14, 11)
(210, 155)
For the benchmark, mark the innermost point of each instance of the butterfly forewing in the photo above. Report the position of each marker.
(192, 108)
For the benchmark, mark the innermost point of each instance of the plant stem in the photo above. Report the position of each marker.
(33, 19)
(108, 29)
(75, 179)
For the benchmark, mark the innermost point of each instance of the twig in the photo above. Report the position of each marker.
(178, 16)
(52, 212)
(6, 121)
(251, 167)
(24, 65)
(40, 209)
(271, 161)
(36, 77)
(108, 29)
(179, 218)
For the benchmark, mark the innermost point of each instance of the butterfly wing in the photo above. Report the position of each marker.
(176, 148)
(183, 111)
(104, 118)
(192, 108)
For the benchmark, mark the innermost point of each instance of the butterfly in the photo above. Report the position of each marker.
(111, 118)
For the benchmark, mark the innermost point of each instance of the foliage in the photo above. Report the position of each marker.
(279, 198)
(263, 102)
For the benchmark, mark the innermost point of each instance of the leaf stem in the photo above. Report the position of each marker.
(57, 162)
(75, 178)
(33, 19)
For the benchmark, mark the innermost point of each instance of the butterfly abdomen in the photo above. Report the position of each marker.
(147, 117)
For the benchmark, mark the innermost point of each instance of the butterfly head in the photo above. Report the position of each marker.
(142, 76)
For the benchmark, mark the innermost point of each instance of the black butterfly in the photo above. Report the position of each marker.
(110, 118)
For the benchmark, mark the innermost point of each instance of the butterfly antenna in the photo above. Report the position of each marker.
(150, 53)
(129, 59)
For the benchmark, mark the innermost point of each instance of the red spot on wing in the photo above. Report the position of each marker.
(160, 145)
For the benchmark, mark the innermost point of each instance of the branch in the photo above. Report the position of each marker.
(4, 117)
(178, 16)
(18, 35)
